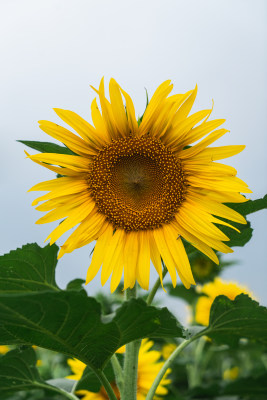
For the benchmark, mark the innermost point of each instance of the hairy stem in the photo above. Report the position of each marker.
(117, 372)
(131, 361)
(55, 389)
(167, 365)
(103, 379)
(153, 292)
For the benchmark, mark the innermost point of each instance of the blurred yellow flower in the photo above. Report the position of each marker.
(213, 289)
(139, 187)
(231, 374)
(148, 368)
(168, 349)
(4, 349)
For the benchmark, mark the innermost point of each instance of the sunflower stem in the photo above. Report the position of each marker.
(154, 290)
(167, 365)
(70, 396)
(103, 379)
(131, 361)
(117, 372)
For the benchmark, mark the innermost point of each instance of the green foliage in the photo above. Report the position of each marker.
(69, 321)
(46, 147)
(236, 238)
(243, 388)
(250, 206)
(18, 372)
(89, 381)
(29, 269)
(76, 284)
(231, 320)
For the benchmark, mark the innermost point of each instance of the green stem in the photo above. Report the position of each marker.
(55, 389)
(153, 292)
(117, 372)
(130, 362)
(197, 369)
(167, 365)
(103, 379)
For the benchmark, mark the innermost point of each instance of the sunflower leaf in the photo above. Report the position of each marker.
(231, 320)
(46, 147)
(250, 206)
(236, 238)
(89, 382)
(69, 322)
(18, 372)
(29, 269)
(76, 284)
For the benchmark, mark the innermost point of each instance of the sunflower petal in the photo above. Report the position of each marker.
(165, 253)
(117, 107)
(98, 254)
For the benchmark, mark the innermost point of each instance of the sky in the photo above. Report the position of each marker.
(53, 50)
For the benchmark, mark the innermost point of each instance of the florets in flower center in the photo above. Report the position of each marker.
(137, 183)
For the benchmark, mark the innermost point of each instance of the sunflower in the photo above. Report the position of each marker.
(231, 374)
(148, 368)
(138, 188)
(211, 290)
(168, 349)
(4, 349)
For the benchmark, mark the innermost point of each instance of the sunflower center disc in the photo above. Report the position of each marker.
(137, 183)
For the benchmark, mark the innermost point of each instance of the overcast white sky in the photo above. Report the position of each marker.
(52, 50)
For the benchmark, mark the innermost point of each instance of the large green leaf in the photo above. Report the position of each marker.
(250, 206)
(29, 269)
(70, 322)
(231, 320)
(89, 382)
(46, 147)
(18, 372)
(236, 238)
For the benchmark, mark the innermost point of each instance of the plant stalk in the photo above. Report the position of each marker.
(117, 372)
(103, 379)
(130, 362)
(153, 292)
(55, 389)
(167, 365)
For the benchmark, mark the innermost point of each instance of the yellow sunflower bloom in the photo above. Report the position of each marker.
(231, 374)
(4, 349)
(213, 289)
(139, 189)
(168, 349)
(148, 368)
